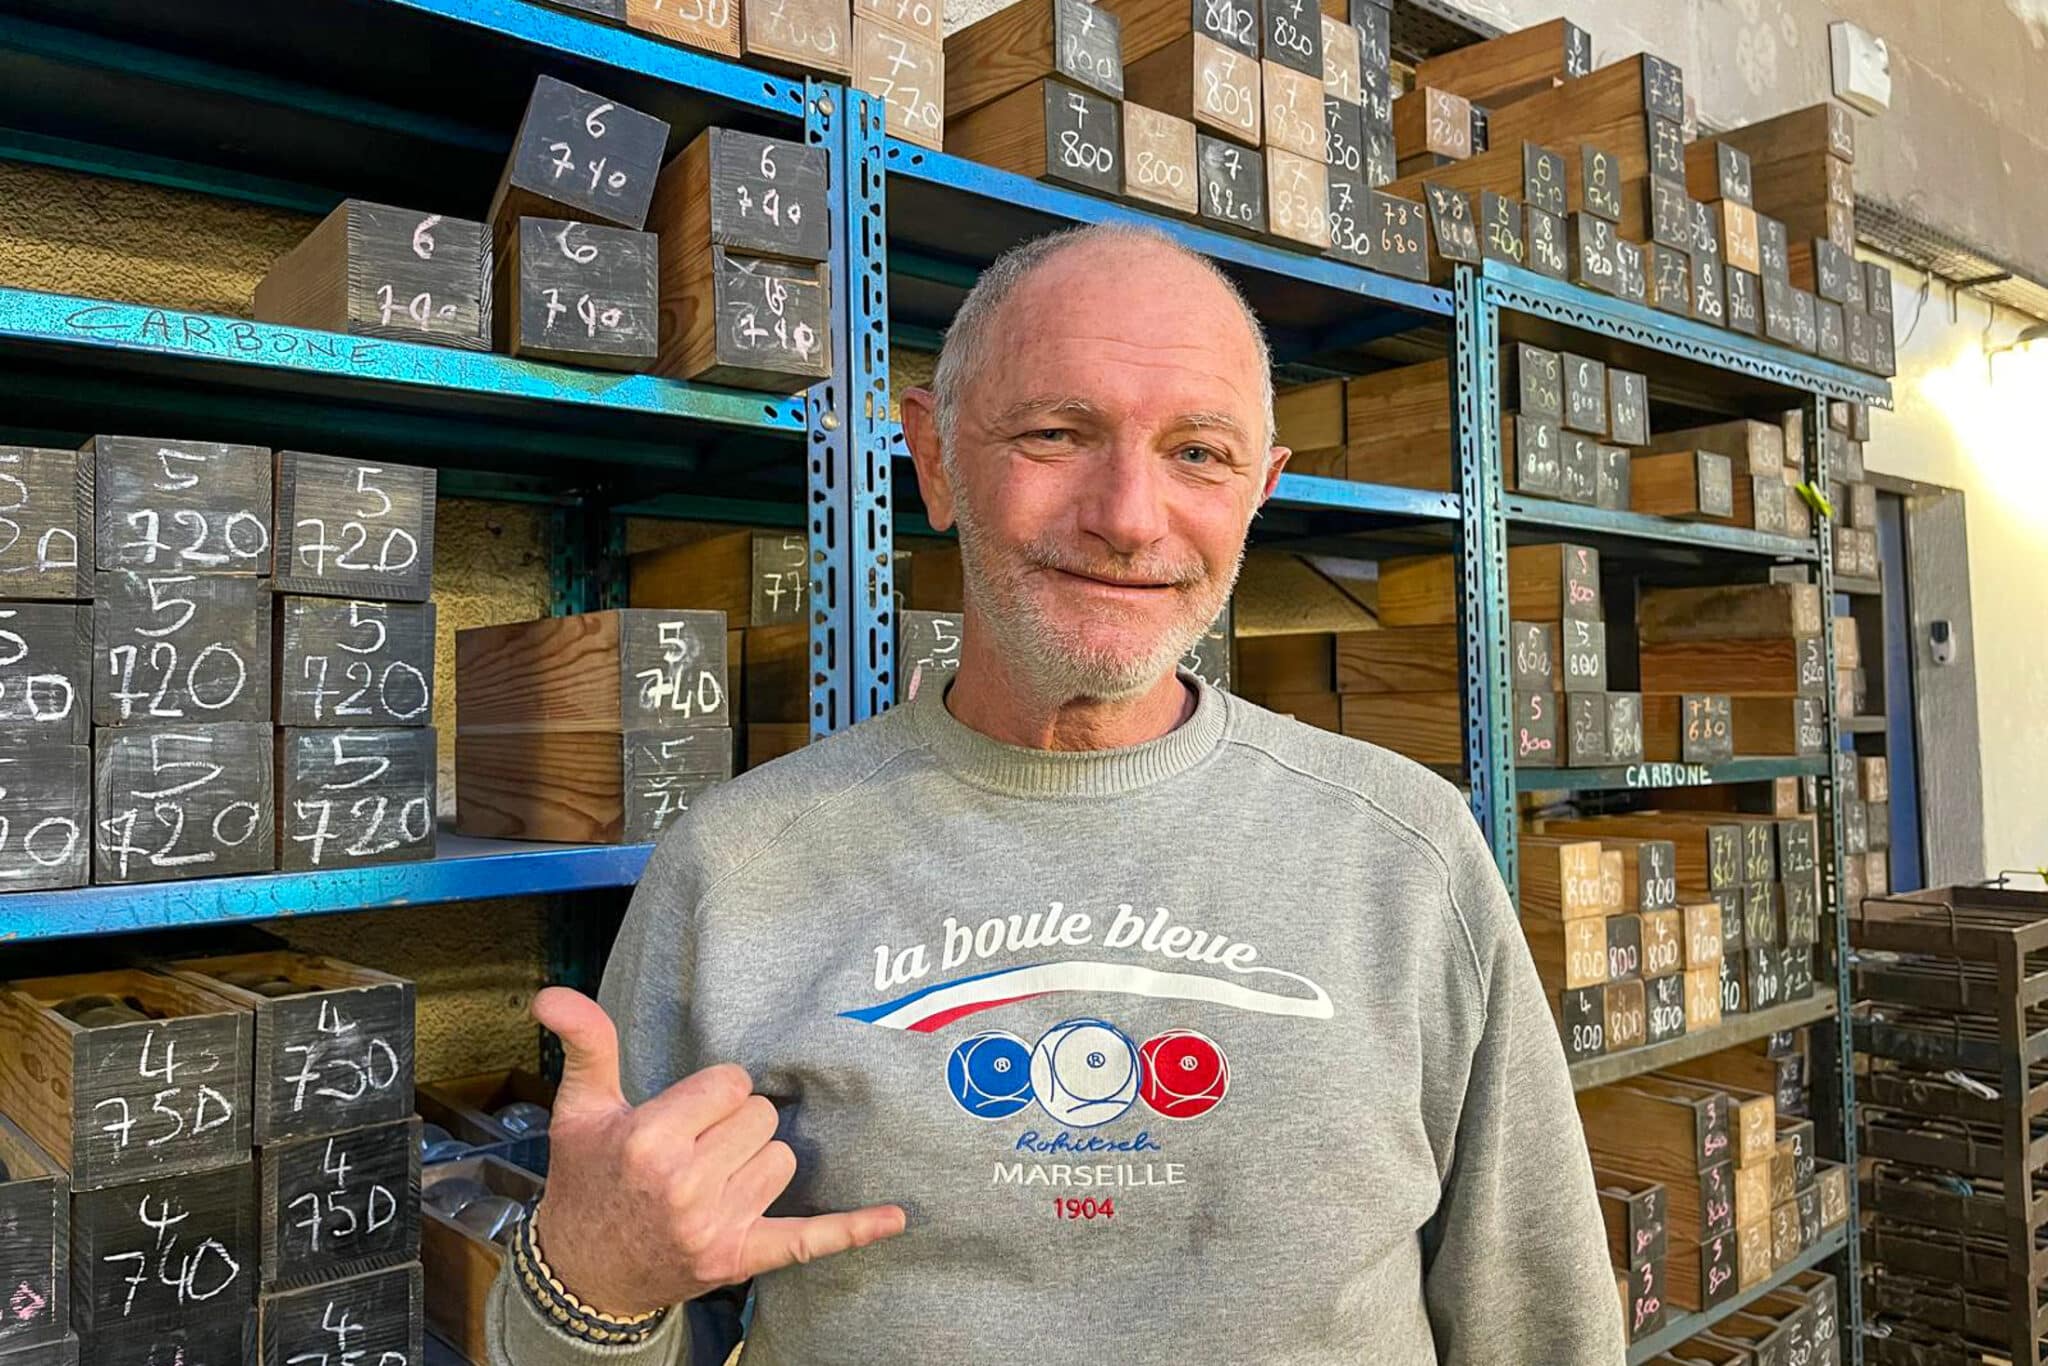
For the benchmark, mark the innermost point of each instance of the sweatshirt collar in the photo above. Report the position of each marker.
(1017, 771)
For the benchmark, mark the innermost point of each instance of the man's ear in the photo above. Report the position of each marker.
(1277, 463)
(921, 434)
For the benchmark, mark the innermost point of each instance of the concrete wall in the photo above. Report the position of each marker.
(1974, 423)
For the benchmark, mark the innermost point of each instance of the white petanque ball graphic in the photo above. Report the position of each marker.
(1084, 1072)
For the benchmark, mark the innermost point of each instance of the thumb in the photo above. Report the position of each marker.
(590, 1048)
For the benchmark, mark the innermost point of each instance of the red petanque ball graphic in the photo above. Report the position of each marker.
(1185, 1074)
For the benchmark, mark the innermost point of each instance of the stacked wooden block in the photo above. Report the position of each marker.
(135, 1097)
(1800, 1321)
(1568, 427)
(1850, 493)
(710, 268)
(1736, 669)
(1742, 473)
(600, 728)
(1863, 790)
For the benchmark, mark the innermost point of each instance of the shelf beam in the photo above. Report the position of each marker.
(1644, 777)
(1733, 1030)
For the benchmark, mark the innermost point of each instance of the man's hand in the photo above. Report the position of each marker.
(655, 1204)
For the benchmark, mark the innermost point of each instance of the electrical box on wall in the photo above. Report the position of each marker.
(1862, 66)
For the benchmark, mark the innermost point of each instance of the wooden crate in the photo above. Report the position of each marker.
(333, 1041)
(584, 157)
(178, 507)
(383, 1309)
(353, 530)
(346, 662)
(577, 293)
(1545, 583)
(35, 1213)
(353, 797)
(585, 787)
(460, 1267)
(134, 1246)
(53, 557)
(211, 827)
(373, 270)
(467, 1107)
(623, 670)
(756, 578)
(339, 1204)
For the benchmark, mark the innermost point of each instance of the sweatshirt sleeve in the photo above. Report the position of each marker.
(645, 991)
(1516, 1267)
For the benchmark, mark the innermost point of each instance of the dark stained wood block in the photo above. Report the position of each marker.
(750, 322)
(1532, 455)
(1599, 188)
(1532, 652)
(1159, 159)
(1631, 272)
(1668, 213)
(1745, 302)
(1344, 133)
(120, 1102)
(1539, 382)
(354, 796)
(1611, 478)
(1591, 254)
(1671, 279)
(798, 37)
(180, 648)
(582, 156)
(45, 673)
(340, 1204)
(1547, 242)
(1292, 34)
(1579, 470)
(1633, 1211)
(1624, 728)
(756, 578)
(180, 506)
(163, 1251)
(1582, 1021)
(907, 72)
(1544, 180)
(45, 809)
(353, 663)
(350, 529)
(35, 1247)
(1348, 242)
(377, 271)
(1500, 229)
(1582, 650)
(1536, 721)
(578, 294)
(1397, 232)
(1628, 407)
(1585, 744)
(1585, 394)
(1453, 230)
(46, 500)
(758, 195)
(154, 820)
(1232, 181)
(377, 1314)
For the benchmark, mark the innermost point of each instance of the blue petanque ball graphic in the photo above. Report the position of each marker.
(1085, 1072)
(990, 1074)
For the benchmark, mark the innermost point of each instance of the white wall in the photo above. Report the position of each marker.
(1982, 427)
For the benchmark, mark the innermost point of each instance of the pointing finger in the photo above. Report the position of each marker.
(775, 1243)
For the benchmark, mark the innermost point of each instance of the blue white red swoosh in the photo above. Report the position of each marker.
(932, 1008)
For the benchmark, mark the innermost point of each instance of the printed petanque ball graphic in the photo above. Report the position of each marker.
(1084, 1072)
(1186, 1074)
(990, 1074)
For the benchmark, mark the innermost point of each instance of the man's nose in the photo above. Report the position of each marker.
(1124, 502)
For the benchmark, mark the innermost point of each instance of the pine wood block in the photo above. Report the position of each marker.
(1022, 43)
(1703, 997)
(624, 670)
(1398, 426)
(1874, 772)
(1293, 112)
(1763, 611)
(1297, 199)
(584, 787)
(378, 271)
(907, 71)
(1152, 25)
(1560, 878)
(798, 37)
(1708, 852)
(1760, 667)
(1569, 954)
(1309, 420)
(1159, 168)
(756, 578)
(1512, 67)
(96, 1098)
(1663, 942)
(1432, 123)
(1199, 79)
(1648, 871)
(1399, 659)
(1428, 727)
(460, 1266)
(1341, 60)
(916, 18)
(1688, 485)
(1545, 582)
(713, 25)
(1627, 1015)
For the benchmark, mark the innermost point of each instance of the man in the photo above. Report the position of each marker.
(1170, 1030)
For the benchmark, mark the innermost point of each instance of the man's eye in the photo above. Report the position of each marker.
(1050, 434)
(1197, 455)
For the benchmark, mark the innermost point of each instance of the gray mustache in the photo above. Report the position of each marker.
(1177, 573)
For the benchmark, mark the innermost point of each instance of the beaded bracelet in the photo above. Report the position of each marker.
(562, 1307)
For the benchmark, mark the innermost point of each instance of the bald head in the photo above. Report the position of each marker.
(1126, 270)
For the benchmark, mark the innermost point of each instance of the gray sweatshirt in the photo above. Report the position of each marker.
(1223, 1047)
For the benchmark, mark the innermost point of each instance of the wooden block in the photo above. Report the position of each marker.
(918, 18)
(1341, 60)
(1701, 1276)
(625, 670)
(179, 506)
(1538, 377)
(1293, 111)
(1690, 485)
(180, 647)
(349, 529)
(1159, 164)
(757, 195)
(1512, 67)
(377, 1312)
(46, 679)
(1822, 128)
(1049, 131)
(1619, 93)
(1399, 426)
(1591, 254)
(713, 25)
(1666, 212)
(1633, 1211)
(48, 497)
(1213, 85)
(750, 322)
(1532, 655)
(217, 825)
(460, 1266)
(1401, 659)
(1877, 289)
(1454, 231)
(1663, 942)
(798, 37)
(1643, 1300)
(35, 1209)
(1628, 407)
(1020, 44)
(1297, 199)
(576, 293)
(1501, 233)
(45, 796)
(1761, 667)
(353, 797)
(1535, 729)
(1665, 998)
(1631, 272)
(1292, 34)
(1426, 726)
(1393, 237)
(115, 1102)
(1344, 134)
(1745, 301)
(756, 578)
(1232, 184)
(1819, 265)
(1728, 612)
(1874, 775)
(1297, 663)
(1773, 252)
(907, 72)
(1547, 243)
(778, 672)
(1150, 25)
(142, 1253)
(1569, 954)
(1753, 1264)
(377, 271)
(1624, 947)
(1582, 1023)
(1717, 170)
(585, 787)
(1588, 730)
(339, 1204)
(1671, 279)
(1690, 728)
(1649, 1127)
(1627, 1015)
(1430, 122)
(1560, 878)
(1545, 582)
(1703, 997)
(580, 156)
(1862, 506)
(1778, 725)
(353, 663)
